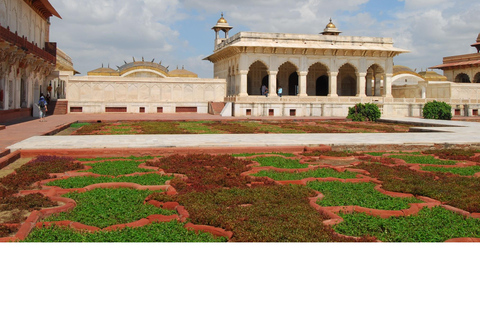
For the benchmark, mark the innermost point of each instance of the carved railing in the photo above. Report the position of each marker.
(48, 54)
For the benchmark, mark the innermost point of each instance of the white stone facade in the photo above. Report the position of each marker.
(98, 94)
(318, 74)
(26, 56)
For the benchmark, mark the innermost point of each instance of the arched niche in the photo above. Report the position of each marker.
(374, 81)
(256, 77)
(318, 80)
(287, 78)
(347, 81)
(462, 78)
(476, 79)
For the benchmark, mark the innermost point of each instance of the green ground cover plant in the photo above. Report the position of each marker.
(260, 214)
(204, 171)
(159, 127)
(116, 168)
(455, 154)
(79, 124)
(330, 153)
(358, 194)
(280, 162)
(36, 170)
(88, 128)
(35, 201)
(423, 159)
(317, 173)
(226, 127)
(237, 127)
(172, 231)
(105, 207)
(457, 191)
(151, 179)
(117, 158)
(271, 127)
(262, 153)
(462, 171)
(199, 127)
(430, 225)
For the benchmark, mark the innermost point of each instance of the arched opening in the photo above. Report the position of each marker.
(477, 78)
(257, 73)
(317, 80)
(347, 81)
(374, 81)
(321, 87)
(462, 78)
(287, 78)
(293, 84)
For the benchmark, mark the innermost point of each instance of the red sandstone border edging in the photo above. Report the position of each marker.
(7, 158)
(32, 220)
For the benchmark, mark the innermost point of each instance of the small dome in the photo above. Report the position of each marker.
(182, 73)
(330, 25)
(222, 20)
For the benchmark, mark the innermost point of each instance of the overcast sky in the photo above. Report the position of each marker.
(178, 32)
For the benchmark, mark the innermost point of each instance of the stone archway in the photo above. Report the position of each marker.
(318, 80)
(374, 79)
(347, 81)
(288, 79)
(462, 78)
(257, 73)
(476, 79)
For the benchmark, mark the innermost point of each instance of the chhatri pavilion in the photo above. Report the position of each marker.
(325, 72)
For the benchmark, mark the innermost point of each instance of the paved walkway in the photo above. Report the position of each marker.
(29, 135)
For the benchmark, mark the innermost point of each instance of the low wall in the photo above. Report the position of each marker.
(14, 114)
(142, 95)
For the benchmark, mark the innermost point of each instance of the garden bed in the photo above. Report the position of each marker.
(250, 197)
(230, 127)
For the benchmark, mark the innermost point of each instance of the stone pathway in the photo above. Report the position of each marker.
(27, 136)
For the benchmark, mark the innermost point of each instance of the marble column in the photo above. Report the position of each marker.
(361, 83)
(333, 84)
(243, 83)
(302, 83)
(272, 82)
(387, 84)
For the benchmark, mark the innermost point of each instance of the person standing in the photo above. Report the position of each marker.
(264, 90)
(42, 106)
(280, 91)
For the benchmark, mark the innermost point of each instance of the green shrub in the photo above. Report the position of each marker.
(437, 110)
(364, 112)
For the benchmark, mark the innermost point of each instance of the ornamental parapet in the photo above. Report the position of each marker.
(48, 54)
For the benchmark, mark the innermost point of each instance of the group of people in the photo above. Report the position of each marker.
(265, 91)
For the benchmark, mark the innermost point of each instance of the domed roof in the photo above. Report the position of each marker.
(222, 20)
(103, 72)
(330, 25)
(331, 29)
(182, 73)
(402, 69)
(432, 76)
